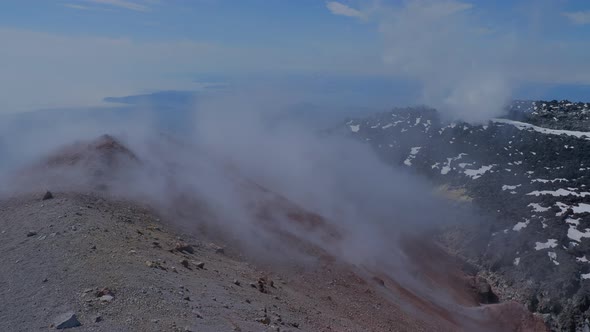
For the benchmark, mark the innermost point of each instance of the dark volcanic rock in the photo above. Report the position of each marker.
(66, 321)
(530, 182)
(48, 195)
(484, 291)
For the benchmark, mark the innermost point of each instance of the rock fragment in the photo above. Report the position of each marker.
(66, 321)
(106, 298)
(48, 195)
(264, 320)
(103, 292)
(184, 263)
(183, 247)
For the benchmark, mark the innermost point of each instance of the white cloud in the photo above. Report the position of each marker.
(78, 7)
(338, 8)
(121, 4)
(437, 43)
(439, 8)
(580, 18)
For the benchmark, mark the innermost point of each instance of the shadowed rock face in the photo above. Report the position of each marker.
(106, 152)
(531, 183)
(83, 166)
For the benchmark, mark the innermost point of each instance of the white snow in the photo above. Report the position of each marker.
(553, 257)
(574, 234)
(413, 152)
(528, 126)
(581, 208)
(520, 225)
(354, 128)
(585, 276)
(387, 126)
(552, 181)
(572, 221)
(477, 173)
(538, 208)
(559, 192)
(551, 243)
(563, 207)
(582, 259)
(447, 168)
(516, 261)
(508, 187)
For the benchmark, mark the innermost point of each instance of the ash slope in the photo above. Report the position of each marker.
(531, 179)
(85, 243)
(66, 254)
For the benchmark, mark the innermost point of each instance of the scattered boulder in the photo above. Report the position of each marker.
(155, 265)
(200, 265)
(216, 248)
(31, 233)
(183, 247)
(154, 228)
(106, 298)
(184, 263)
(198, 314)
(103, 292)
(379, 281)
(264, 320)
(484, 291)
(261, 286)
(66, 321)
(48, 195)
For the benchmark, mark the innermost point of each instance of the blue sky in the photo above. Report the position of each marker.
(364, 53)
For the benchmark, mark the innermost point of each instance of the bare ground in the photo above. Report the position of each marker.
(57, 254)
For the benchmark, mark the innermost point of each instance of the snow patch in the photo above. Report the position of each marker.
(558, 192)
(413, 152)
(581, 208)
(520, 225)
(477, 173)
(551, 243)
(528, 126)
(553, 257)
(508, 187)
(538, 208)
